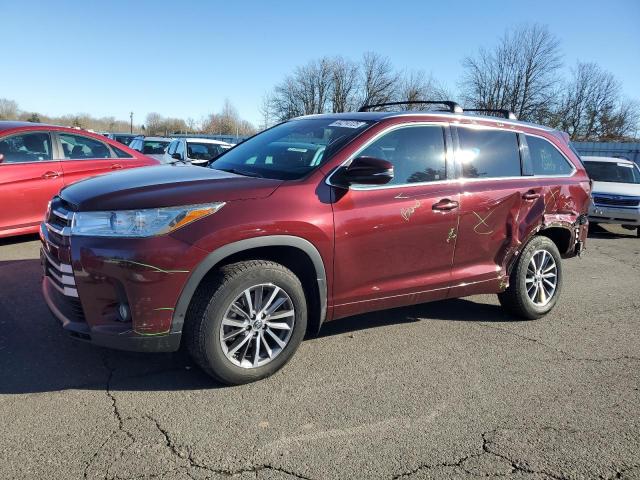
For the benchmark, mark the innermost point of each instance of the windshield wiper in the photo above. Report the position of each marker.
(240, 172)
(173, 162)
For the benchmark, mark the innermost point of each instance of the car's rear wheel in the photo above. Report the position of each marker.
(535, 281)
(247, 321)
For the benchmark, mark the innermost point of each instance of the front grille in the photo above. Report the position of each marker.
(58, 221)
(56, 259)
(616, 201)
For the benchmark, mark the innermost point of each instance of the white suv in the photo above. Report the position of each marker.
(616, 191)
(197, 151)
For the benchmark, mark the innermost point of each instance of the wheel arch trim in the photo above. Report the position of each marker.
(218, 255)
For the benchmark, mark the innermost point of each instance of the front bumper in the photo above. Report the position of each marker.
(86, 280)
(110, 337)
(623, 216)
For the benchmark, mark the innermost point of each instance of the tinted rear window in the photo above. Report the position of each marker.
(488, 153)
(546, 159)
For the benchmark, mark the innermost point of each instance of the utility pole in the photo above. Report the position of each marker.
(131, 122)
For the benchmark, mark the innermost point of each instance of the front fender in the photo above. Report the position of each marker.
(218, 255)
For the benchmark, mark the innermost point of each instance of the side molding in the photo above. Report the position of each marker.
(221, 253)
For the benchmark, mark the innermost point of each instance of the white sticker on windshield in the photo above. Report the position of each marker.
(347, 124)
(625, 165)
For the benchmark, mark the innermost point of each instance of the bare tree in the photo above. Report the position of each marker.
(191, 125)
(8, 109)
(519, 74)
(154, 124)
(379, 79)
(591, 106)
(345, 85)
(415, 86)
(266, 111)
(227, 122)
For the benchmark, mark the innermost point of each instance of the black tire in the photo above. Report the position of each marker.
(210, 303)
(515, 298)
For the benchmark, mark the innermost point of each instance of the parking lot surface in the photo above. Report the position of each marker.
(452, 389)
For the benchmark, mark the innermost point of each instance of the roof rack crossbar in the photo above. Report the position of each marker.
(452, 107)
(508, 114)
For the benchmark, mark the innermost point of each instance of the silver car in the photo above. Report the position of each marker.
(195, 150)
(615, 196)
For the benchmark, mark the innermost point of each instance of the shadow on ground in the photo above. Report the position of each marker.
(37, 356)
(610, 232)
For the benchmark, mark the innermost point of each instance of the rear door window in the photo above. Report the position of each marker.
(488, 153)
(27, 147)
(77, 147)
(546, 159)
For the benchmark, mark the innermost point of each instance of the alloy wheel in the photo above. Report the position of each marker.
(542, 278)
(257, 325)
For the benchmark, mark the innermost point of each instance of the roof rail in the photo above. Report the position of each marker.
(508, 114)
(452, 107)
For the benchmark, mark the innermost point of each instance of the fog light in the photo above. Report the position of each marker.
(123, 312)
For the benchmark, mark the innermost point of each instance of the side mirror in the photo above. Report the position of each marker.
(177, 156)
(364, 171)
(1, 157)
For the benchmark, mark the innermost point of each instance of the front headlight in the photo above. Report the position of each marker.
(139, 223)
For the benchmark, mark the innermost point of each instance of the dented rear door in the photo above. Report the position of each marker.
(500, 204)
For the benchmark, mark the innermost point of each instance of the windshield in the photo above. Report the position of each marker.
(291, 150)
(154, 147)
(613, 172)
(203, 151)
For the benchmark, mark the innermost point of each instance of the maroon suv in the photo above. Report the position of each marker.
(315, 219)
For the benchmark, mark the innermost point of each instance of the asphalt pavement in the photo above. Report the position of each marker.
(453, 389)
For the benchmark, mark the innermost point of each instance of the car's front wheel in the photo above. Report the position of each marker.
(535, 281)
(247, 321)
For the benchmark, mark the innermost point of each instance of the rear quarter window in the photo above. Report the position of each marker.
(120, 153)
(546, 159)
(487, 153)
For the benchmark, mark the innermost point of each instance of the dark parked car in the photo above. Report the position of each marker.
(37, 160)
(310, 221)
(124, 138)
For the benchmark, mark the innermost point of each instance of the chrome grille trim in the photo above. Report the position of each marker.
(69, 292)
(64, 280)
(63, 232)
(64, 214)
(61, 267)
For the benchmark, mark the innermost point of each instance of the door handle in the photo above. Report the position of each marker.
(116, 166)
(445, 205)
(50, 174)
(531, 195)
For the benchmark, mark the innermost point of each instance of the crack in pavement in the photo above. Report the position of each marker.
(599, 249)
(183, 454)
(557, 350)
(116, 413)
(218, 471)
(516, 465)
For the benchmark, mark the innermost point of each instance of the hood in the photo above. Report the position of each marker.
(164, 186)
(613, 188)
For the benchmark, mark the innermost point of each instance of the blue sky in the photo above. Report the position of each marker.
(184, 58)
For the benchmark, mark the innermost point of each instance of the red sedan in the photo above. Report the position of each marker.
(37, 160)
